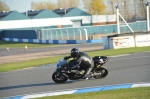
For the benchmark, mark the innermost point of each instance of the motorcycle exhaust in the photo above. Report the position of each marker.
(96, 74)
(78, 71)
(65, 75)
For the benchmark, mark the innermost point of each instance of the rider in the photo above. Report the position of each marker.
(81, 60)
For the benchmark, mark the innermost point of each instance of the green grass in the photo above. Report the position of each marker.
(50, 60)
(5, 44)
(26, 64)
(130, 93)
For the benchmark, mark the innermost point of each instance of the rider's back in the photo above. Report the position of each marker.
(85, 60)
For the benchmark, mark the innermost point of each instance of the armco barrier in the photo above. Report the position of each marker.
(81, 90)
(53, 41)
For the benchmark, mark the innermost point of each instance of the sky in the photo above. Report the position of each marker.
(22, 5)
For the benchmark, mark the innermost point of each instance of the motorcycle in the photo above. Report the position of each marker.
(63, 72)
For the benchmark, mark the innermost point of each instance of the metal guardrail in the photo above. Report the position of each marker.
(63, 34)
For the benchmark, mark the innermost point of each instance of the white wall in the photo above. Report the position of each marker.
(15, 24)
(103, 18)
(67, 20)
(46, 22)
(12, 24)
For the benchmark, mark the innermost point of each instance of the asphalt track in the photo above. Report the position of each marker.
(19, 51)
(122, 69)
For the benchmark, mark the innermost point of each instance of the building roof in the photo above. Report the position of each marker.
(12, 15)
(32, 13)
(46, 14)
(76, 12)
(4, 13)
(62, 11)
(69, 12)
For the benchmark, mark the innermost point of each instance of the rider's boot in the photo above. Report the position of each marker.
(86, 74)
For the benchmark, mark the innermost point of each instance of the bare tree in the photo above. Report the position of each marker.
(59, 4)
(68, 3)
(110, 6)
(127, 9)
(43, 5)
(140, 7)
(86, 5)
(73, 3)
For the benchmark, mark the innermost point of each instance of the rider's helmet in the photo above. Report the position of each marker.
(74, 52)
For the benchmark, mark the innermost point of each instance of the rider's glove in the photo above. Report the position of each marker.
(65, 58)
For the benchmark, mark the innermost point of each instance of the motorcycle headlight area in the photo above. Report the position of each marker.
(61, 62)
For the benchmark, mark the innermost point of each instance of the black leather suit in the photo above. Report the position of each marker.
(83, 61)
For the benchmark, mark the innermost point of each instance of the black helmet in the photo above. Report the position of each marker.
(74, 52)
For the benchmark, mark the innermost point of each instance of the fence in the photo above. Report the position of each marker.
(64, 34)
(132, 18)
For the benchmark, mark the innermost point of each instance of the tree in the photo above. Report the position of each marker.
(87, 7)
(67, 3)
(73, 3)
(43, 5)
(59, 4)
(94, 6)
(51, 6)
(98, 7)
(4, 7)
(140, 6)
(126, 9)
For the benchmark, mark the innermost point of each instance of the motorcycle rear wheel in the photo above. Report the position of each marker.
(104, 72)
(59, 78)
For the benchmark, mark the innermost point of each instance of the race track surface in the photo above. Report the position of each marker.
(18, 55)
(122, 69)
(19, 51)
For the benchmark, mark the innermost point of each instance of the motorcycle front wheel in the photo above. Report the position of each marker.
(59, 78)
(104, 72)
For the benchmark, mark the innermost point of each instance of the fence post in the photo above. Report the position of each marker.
(147, 6)
(118, 25)
(51, 35)
(73, 34)
(47, 34)
(80, 34)
(56, 35)
(61, 34)
(67, 34)
(38, 32)
(86, 35)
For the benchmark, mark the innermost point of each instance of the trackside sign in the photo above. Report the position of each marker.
(121, 42)
(142, 40)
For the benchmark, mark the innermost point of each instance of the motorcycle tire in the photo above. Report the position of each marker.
(59, 78)
(104, 72)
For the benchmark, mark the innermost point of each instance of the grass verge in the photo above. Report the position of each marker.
(50, 60)
(130, 93)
